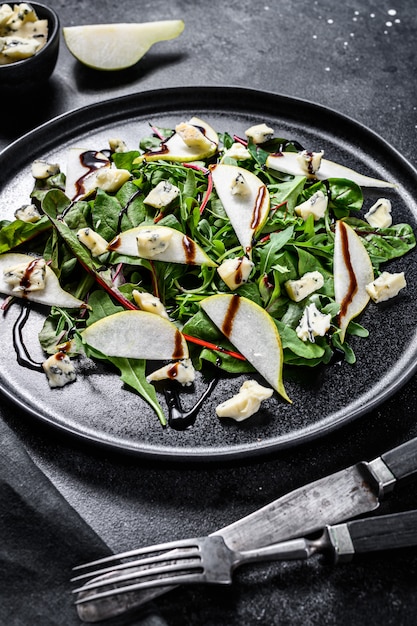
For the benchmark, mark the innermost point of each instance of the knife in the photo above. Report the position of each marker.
(345, 494)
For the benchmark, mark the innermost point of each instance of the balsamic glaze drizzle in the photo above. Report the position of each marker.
(178, 419)
(23, 357)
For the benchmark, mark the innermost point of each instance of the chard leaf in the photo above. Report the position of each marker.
(345, 195)
(390, 243)
(17, 233)
(105, 215)
(124, 160)
(134, 212)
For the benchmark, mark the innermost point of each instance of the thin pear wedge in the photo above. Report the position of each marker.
(27, 277)
(160, 243)
(252, 331)
(192, 141)
(83, 167)
(353, 270)
(117, 46)
(245, 199)
(289, 163)
(136, 335)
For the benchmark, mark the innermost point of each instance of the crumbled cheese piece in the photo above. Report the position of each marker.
(148, 302)
(110, 179)
(310, 161)
(26, 277)
(299, 289)
(22, 13)
(18, 48)
(237, 151)
(117, 145)
(235, 272)
(22, 34)
(6, 12)
(192, 136)
(259, 133)
(239, 186)
(152, 241)
(386, 286)
(162, 195)
(59, 370)
(316, 206)
(379, 215)
(182, 371)
(246, 402)
(43, 169)
(28, 213)
(93, 241)
(313, 323)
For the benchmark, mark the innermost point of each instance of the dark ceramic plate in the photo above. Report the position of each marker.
(97, 408)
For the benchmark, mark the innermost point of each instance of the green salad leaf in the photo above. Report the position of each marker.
(285, 248)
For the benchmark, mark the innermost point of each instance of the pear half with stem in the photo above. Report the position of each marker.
(136, 335)
(252, 331)
(352, 270)
(117, 46)
(30, 278)
(245, 199)
(290, 163)
(160, 243)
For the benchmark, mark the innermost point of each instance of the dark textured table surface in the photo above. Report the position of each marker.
(360, 59)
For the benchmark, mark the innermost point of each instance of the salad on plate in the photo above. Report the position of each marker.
(198, 250)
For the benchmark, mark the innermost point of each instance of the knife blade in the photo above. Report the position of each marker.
(346, 494)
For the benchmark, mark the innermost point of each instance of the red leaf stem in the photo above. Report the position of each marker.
(206, 172)
(213, 346)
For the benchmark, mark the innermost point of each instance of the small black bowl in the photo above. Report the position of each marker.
(37, 69)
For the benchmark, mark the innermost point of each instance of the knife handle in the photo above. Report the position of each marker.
(402, 461)
(386, 532)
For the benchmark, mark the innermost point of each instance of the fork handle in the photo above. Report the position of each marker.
(385, 532)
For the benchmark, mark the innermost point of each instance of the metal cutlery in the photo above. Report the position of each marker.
(343, 495)
(209, 560)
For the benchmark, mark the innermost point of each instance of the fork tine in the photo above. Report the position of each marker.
(170, 545)
(145, 584)
(187, 553)
(173, 564)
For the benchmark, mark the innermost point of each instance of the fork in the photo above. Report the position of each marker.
(210, 560)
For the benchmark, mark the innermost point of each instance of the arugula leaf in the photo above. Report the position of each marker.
(276, 242)
(133, 374)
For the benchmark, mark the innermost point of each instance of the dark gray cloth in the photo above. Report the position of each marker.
(42, 538)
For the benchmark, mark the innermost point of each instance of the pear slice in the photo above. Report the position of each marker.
(245, 199)
(252, 331)
(289, 163)
(83, 167)
(353, 271)
(136, 335)
(117, 46)
(202, 143)
(50, 294)
(160, 243)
